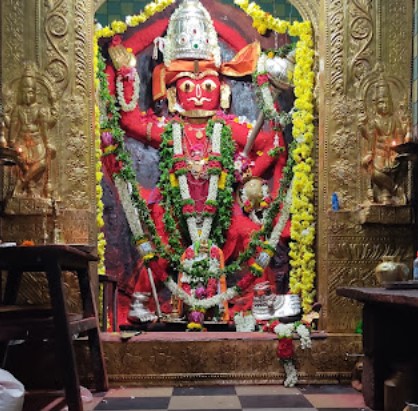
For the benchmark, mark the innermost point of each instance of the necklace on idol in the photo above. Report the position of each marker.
(199, 131)
(198, 234)
(189, 144)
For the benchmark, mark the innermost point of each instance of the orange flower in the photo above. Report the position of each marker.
(28, 243)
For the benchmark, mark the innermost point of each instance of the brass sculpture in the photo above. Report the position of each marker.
(384, 129)
(29, 123)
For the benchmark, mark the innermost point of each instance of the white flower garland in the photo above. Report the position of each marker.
(135, 94)
(124, 189)
(204, 233)
(204, 303)
(286, 331)
(291, 373)
(305, 336)
(284, 216)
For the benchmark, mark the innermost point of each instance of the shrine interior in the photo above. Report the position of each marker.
(208, 204)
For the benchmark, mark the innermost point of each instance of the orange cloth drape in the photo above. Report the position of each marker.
(243, 64)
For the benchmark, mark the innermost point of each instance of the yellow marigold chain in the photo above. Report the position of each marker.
(302, 254)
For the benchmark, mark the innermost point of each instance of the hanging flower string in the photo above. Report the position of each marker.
(285, 346)
(101, 240)
(135, 93)
(302, 254)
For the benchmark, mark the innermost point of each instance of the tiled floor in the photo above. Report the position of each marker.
(219, 398)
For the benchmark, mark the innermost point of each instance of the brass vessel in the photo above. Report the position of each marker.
(391, 269)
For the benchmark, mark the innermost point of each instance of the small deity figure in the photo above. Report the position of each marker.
(384, 132)
(28, 134)
(198, 143)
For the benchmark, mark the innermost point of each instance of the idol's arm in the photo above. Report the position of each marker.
(141, 126)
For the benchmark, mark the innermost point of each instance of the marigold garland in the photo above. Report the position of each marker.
(302, 254)
(101, 240)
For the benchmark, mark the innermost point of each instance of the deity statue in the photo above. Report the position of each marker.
(30, 121)
(384, 132)
(201, 161)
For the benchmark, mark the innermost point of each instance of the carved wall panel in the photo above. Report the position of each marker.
(58, 42)
(57, 38)
(13, 31)
(396, 39)
(358, 34)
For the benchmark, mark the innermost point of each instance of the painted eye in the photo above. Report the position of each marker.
(209, 85)
(187, 86)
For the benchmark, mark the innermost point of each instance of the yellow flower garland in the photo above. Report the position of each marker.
(302, 254)
(101, 241)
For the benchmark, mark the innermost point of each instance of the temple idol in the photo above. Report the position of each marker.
(217, 194)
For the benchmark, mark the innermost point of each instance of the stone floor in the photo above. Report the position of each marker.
(223, 397)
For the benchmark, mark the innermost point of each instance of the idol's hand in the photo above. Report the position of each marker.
(121, 57)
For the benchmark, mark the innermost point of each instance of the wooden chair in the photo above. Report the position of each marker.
(53, 322)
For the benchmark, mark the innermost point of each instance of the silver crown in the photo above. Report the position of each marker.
(190, 35)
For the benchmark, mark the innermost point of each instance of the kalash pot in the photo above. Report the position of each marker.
(391, 270)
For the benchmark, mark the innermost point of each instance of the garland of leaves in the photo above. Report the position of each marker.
(110, 119)
(171, 192)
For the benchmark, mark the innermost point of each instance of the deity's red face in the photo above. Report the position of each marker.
(199, 94)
